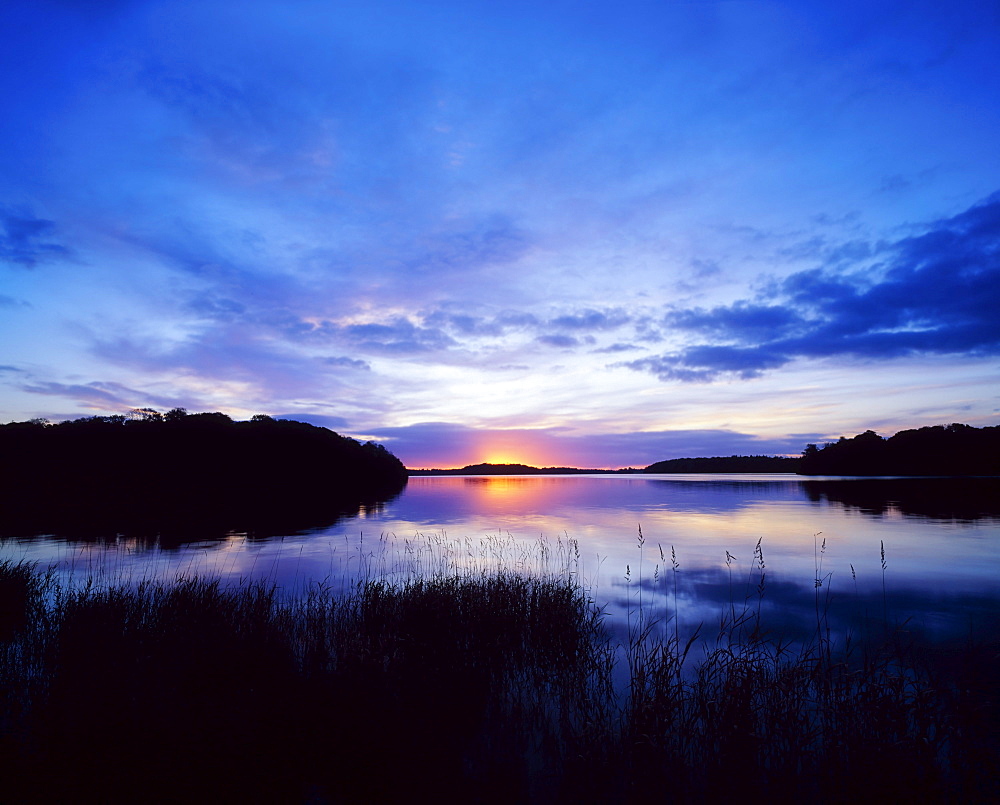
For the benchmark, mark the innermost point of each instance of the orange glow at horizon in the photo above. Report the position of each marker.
(508, 449)
(505, 457)
(507, 454)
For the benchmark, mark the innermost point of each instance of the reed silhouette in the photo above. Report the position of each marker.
(474, 684)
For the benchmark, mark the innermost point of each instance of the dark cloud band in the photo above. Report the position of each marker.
(933, 293)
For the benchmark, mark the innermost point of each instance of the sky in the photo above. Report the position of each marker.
(595, 234)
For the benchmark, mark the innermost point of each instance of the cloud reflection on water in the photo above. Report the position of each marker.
(942, 573)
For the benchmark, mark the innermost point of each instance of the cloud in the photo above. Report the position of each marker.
(591, 320)
(243, 368)
(467, 324)
(564, 331)
(217, 308)
(489, 241)
(933, 293)
(706, 362)
(742, 321)
(832, 254)
(559, 341)
(398, 336)
(464, 324)
(101, 396)
(348, 363)
(617, 347)
(25, 239)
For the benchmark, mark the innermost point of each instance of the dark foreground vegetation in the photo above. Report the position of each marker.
(148, 471)
(484, 687)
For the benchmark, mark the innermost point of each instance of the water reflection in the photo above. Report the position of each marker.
(454, 498)
(939, 539)
(956, 499)
(792, 611)
(204, 522)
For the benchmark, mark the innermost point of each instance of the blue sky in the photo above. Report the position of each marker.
(596, 234)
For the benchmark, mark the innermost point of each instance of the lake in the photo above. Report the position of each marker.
(920, 554)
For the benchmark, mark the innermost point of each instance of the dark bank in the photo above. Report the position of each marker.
(179, 475)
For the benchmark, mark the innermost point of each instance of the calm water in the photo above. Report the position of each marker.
(940, 541)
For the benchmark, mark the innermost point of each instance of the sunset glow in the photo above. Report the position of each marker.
(515, 448)
(503, 458)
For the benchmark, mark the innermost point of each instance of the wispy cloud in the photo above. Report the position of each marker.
(26, 240)
(348, 363)
(100, 396)
(397, 336)
(617, 347)
(591, 320)
(558, 341)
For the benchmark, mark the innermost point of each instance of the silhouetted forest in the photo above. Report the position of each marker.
(939, 450)
(147, 470)
(726, 464)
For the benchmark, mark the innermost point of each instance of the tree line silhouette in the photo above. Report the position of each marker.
(953, 449)
(726, 464)
(150, 469)
(517, 469)
(939, 450)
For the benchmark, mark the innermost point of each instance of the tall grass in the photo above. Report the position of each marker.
(468, 681)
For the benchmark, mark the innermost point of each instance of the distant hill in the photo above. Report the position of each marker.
(515, 469)
(726, 464)
(178, 469)
(718, 464)
(940, 450)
